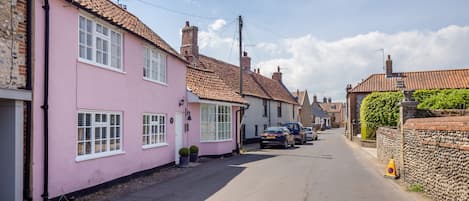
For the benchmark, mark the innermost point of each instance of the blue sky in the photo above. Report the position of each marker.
(320, 45)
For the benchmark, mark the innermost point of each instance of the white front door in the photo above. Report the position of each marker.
(178, 137)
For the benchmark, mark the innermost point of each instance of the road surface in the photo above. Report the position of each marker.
(330, 169)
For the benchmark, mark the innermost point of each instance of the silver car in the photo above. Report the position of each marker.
(310, 133)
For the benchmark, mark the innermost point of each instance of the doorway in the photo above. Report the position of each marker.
(11, 149)
(178, 135)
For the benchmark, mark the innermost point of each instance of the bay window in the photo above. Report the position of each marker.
(215, 124)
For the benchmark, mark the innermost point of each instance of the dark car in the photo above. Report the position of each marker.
(277, 136)
(296, 128)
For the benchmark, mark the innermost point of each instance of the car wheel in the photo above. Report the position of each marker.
(285, 144)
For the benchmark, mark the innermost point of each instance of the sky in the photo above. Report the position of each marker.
(320, 45)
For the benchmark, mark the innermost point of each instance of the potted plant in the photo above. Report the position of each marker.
(183, 157)
(193, 153)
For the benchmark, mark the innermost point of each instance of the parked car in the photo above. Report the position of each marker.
(296, 128)
(277, 136)
(310, 134)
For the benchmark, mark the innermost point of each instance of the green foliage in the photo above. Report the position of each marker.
(379, 109)
(442, 99)
(194, 149)
(415, 187)
(184, 152)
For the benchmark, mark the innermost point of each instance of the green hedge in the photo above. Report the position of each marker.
(382, 108)
(442, 99)
(379, 109)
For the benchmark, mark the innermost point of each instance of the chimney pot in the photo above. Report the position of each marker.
(278, 69)
(277, 75)
(245, 54)
(315, 99)
(187, 24)
(324, 100)
(329, 100)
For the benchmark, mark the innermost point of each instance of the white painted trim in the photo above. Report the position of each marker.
(150, 146)
(19, 109)
(192, 98)
(214, 141)
(98, 155)
(16, 94)
(92, 63)
(155, 81)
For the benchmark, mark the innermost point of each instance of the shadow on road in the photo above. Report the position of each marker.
(199, 183)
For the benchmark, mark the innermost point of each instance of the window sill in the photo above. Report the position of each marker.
(99, 155)
(150, 146)
(100, 66)
(215, 141)
(154, 81)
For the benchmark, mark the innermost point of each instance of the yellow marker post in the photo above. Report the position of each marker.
(391, 170)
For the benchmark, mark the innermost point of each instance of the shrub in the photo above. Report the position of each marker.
(184, 152)
(194, 149)
(379, 109)
(442, 99)
(415, 187)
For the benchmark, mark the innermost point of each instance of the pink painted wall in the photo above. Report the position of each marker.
(209, 148)
(75, 86)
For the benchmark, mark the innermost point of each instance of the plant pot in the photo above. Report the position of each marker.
(183, 161)
(193, 157)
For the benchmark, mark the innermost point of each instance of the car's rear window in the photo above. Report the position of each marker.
(276, 130)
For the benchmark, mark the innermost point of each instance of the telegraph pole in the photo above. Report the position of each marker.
(240, 21)
(240, 24)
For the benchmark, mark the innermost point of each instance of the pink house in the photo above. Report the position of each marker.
(214, 106)
(116, 97)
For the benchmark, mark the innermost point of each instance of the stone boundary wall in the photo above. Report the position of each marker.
(13, 44)
(388, 145)
(436, 155)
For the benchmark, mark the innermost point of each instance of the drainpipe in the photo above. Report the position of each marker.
(26, 166)
(45, 106)
(239, 144)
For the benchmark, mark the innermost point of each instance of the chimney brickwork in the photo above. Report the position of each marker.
(246, 62)
(277, 75)
(389, 67)
(189, 46)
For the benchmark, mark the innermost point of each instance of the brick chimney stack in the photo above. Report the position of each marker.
(315, 99)
(389, 67)
(189, 47)
(277, 75)
(246, 62)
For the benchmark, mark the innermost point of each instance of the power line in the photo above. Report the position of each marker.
(176, 11)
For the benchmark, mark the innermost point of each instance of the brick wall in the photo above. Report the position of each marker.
(436, 155)
(12, 44)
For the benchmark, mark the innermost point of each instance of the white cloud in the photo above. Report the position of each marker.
(217, 25)
(326, 67)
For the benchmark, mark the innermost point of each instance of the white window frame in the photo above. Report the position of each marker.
(228, 136)
(158, 62)
(94, 35)
(157, 123)
(93, 125)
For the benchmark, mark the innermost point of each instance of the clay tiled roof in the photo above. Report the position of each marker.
(329, 107)
(274, 89)
(114, 14)
(230, 74)
(300, 96)
(439, 79)
(207, 85)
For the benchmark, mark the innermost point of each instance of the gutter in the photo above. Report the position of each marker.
(45, 106)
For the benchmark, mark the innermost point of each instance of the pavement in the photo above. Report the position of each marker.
(330, 169)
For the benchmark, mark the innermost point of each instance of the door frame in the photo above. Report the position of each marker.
(178, 135)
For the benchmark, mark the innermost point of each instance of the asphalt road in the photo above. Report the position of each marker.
(329, 169)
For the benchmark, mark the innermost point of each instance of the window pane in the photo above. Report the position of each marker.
(81, 148)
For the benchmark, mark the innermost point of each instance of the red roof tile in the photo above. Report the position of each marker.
(274, 88)
(230, 74)
(300, 96)
(207, 85)
(438, 79)
(114, 14)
